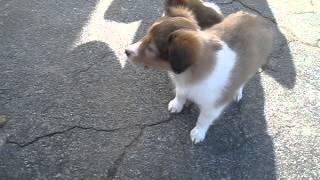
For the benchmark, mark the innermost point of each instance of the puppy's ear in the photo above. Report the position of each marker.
(183, 49)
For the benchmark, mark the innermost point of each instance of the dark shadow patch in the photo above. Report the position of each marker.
(88, 87)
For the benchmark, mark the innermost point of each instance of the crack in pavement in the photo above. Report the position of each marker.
(117, 163)
(22, 145)
(142, 126)
(112, 171)
(75, 74)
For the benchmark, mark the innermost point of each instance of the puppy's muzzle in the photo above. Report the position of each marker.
(129, 53)
(132, 50)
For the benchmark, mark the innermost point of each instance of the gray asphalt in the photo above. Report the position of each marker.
(69, 110)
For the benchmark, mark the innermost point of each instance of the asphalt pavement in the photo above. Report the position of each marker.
(72, 108)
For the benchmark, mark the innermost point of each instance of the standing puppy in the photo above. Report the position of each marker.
(208, 67)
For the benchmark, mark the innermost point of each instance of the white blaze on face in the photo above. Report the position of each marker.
(117, 35)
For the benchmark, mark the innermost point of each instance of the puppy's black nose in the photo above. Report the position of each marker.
(128, 52)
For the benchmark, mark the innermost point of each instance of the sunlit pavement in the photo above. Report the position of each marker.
(71, 107)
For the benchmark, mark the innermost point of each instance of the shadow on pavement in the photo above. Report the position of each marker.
(87, 87)
(238, 146)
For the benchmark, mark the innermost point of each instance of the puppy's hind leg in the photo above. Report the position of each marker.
(206, 118)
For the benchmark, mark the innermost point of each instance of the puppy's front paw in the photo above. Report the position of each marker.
(174, 106)
(197, 135)
(237, 96)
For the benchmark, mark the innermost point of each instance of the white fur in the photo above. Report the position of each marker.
(176, 105)
(204, 93)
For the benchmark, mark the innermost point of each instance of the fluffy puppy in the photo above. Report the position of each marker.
(206, 14)
(208, 67)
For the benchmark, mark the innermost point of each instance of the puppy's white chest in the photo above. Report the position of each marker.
(209, 89)
(202, 93)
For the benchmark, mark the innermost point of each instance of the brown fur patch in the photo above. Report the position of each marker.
(181, 12)
(183, 50)
(204, 61)
(251, 38)
(205, 16)
(155, 46)
(176, 44)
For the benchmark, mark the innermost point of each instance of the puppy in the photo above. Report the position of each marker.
(209, 67)
(206, 14)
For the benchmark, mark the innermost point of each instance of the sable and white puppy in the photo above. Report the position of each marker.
(208, 67)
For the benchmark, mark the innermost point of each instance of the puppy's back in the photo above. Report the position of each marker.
(247, 34)
(251, 38)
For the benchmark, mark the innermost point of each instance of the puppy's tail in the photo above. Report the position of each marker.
(174, 3)
(206, 14)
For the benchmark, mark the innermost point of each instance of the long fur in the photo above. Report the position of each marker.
(209, 67)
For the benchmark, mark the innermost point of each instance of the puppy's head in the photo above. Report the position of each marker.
(171, 43)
